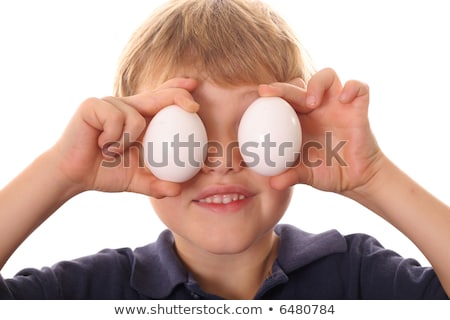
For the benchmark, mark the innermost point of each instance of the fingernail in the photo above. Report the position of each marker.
(343, 98)
(266, 86)
(189, 104)
(311, 101)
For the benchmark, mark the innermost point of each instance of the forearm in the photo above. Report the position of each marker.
(414, 211)
(29, 200)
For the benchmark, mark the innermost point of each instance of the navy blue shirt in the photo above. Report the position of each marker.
(308, 266)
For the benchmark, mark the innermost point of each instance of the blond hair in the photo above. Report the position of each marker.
(228, 41)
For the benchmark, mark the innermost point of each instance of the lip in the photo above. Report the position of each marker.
(223, 190)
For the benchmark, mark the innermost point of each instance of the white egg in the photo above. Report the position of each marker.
(269, 136)
(175, 144)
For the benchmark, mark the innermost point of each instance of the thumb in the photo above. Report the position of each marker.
(298, 175)
(149, 185)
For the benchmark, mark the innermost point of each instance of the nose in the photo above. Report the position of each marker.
(223, 157)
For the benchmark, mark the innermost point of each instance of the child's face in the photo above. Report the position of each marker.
(232, 224)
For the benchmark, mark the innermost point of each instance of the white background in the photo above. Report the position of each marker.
(54, 54)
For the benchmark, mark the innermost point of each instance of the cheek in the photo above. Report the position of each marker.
(165, 205)
(278, 201)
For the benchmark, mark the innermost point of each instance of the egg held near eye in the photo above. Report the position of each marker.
(174, 144)
(269, 136)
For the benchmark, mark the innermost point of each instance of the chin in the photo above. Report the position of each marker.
(227, 247)
(228, 242)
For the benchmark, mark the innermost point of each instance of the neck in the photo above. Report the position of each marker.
(231, 276)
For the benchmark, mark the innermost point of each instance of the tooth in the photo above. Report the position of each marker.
(205, 200)
(227, 199)
(217, 199)
(222, 199)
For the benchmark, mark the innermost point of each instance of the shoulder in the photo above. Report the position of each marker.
(75, 279)
(359, 267)
(151, 271)
(103, 275)
(299, 248)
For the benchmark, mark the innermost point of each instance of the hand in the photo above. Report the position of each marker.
(100, 122)
(332, 117)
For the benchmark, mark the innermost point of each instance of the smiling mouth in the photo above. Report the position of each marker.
(222, 198)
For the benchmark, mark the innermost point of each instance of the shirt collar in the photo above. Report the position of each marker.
(157, 270)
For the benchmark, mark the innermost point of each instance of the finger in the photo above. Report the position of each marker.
(299, 82)
(148, 103)
(324, 82)
(188, 84)
(103, 117)
(352, 90)
(134, 122)
(292, 93)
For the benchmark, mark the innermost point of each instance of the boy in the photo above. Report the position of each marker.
(223, 239)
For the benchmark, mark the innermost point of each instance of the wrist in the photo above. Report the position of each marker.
(50, 164)
(372, 193)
